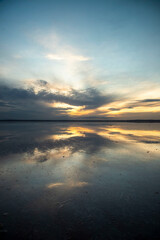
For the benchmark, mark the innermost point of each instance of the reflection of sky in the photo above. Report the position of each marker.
(64, 139)
(67, 156)
(53, 174)
(61, 143)
(110, 46)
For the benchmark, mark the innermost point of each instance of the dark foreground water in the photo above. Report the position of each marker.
(80, 181)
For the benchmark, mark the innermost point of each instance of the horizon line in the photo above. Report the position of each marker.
(81, 120)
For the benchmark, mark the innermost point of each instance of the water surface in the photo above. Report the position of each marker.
(79, 181)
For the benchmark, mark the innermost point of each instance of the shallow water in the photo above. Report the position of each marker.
(80, 181)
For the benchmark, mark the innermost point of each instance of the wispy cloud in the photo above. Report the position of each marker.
(67, 57)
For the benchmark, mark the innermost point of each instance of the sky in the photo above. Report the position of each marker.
(88, 59)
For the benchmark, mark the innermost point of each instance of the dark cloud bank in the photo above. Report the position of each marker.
(18, 103)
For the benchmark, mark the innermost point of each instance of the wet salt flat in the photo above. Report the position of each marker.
(80, 181)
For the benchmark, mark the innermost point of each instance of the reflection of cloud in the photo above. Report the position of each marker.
(55, 142)
(42, 142)
(36, 156)
(52, 185)
(150, 136)
(69, 133)
(67, 184)
(40, 155)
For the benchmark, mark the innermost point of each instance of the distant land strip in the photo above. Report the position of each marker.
(83, 120)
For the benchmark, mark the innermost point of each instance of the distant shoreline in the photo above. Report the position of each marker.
(132, 121)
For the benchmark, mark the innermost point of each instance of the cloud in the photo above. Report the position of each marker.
(151, 100)
(42, 82)
(67, 57)
(90, 98)
(29, 102)
(43, 101)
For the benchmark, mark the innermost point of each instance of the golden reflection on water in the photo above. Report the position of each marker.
(72, 152)
(72, 143)
(90, 171)
(73, 147)
(115, 132)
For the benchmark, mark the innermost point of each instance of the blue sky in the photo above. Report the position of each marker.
(109, 46)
